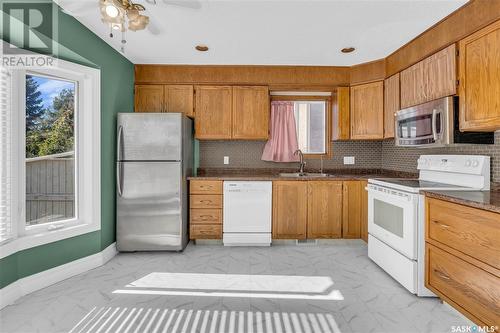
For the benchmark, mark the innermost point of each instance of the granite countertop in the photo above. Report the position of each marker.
(273, 174)
(487, 200)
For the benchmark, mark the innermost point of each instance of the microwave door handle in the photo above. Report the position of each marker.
(434, 125)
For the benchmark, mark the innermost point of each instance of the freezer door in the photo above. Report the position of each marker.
(149, 136)
(150, 206)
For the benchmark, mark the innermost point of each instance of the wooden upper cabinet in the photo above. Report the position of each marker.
(430, 79)
(289, 209)
(413, 86)
(324, 211)
(251, 112)
(355, 210)
(179, 98)
(440, 71)
(391, 104)
(479, 85)
(367, 111)
(213, 112)
(149, 98)
(341, 114)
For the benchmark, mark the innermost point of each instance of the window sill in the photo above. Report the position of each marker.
(46, 237)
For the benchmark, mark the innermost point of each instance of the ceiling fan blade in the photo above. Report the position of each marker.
(153, 28)
(193, 4)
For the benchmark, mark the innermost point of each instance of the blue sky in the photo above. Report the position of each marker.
(50, 88)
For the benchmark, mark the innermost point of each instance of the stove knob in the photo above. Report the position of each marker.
(475, 163)
(468, 163)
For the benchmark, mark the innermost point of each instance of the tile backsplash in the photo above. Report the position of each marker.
(368, 155)
(247, 154)
(405, 159)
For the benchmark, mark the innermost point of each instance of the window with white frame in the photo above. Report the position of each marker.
(50, 186)
(310, 121)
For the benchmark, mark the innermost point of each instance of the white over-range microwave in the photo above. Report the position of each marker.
(435, 124)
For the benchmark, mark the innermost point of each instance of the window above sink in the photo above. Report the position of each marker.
(311, 114)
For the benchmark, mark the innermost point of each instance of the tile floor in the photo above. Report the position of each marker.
(210, 288)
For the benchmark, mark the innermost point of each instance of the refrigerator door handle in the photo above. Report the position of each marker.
(119, 143)
(119, 178)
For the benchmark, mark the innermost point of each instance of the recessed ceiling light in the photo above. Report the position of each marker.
(347, 49)
(201, 48)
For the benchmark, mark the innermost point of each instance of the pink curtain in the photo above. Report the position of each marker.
(283, 137)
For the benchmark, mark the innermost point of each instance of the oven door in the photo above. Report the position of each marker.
(392, 218)
(426, 124)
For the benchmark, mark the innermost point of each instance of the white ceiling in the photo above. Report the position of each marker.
(280, 32)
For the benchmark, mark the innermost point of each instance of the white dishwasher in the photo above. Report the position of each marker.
(247, 213)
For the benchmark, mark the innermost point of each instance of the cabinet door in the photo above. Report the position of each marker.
(413, 87)
(479, 60)
(440, 74)
(367, 111)
(179, 98)
(324, 209)
(289, 209)
(213, 112)
(355, 208)
(391, 104)
(341, 114)
(251, 113)
(149, 98)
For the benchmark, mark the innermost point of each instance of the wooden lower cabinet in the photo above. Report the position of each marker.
(473, 291)
(320, 209)
(355, 210)
(205, 218)
(462, 257)
(324, 209)
(289, 210)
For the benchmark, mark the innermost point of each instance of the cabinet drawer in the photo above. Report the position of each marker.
(205, 231)
(474, 290)
(205, 187)
(206, 201)
(206, 216)
(472, 231)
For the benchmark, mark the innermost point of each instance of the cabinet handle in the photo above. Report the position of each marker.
(442, 225)
(441, 275)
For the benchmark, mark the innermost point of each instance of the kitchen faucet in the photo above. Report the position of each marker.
(301, 157)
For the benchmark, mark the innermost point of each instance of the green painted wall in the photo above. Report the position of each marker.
(78, 44)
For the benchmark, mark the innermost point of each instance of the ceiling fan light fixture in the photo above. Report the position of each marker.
(117, 27)
(110, 12)
(139, 23)
(133, 14)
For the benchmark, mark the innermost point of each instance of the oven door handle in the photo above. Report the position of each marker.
(434, 125)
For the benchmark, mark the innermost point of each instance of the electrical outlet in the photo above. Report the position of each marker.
(226, 159)
(348, 159)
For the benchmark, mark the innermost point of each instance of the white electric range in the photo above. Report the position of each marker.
(396, 213)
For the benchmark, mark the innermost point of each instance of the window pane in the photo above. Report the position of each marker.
(50, 147)
(310, 122)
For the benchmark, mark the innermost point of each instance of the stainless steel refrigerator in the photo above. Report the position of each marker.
(154, 158)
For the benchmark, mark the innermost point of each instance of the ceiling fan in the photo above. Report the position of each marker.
(123, 15)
